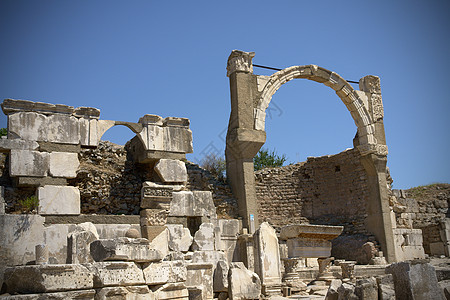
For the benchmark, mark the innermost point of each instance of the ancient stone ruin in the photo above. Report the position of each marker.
(84, 219)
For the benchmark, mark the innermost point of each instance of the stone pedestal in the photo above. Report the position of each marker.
(324, 269)
(348, 269)
(309, 241)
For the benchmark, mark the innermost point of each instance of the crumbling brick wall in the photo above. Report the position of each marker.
(323, 190)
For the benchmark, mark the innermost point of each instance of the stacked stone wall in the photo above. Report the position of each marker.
(329, 190)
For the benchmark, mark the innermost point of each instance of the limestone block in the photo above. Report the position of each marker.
(204, 204)
(127, 249)
(303, 247)
(113, 273)
(170, 291)
(17, 144)
(204, 238)
(415, 279)
(58, 200)
(27, 126)
(81, 294)
(201, 275)
(78, 250)
(180, 238)
(87, 112)
(47, 278)
(220, 283)
(177, 139)
(171, 170)
(28, 163)
(367, 288)
(63, 164)
(139, 292)
(208, 257)
(156, 196)
(62, 129)
(229, 227)
(242, 283)
(332, 293)
(165, 272)
(386, 289)
(177, 122)
(347, 291)
(161, 242)
(310, 231)
(154, 217)
(267, 262)
(183, 205)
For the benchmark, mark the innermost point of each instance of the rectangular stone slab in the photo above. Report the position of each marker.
(128, 249)
(302, 247)
(47, 278)
(165, 272)
(116, 274)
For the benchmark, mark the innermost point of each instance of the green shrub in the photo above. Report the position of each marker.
(29, 204)
(266, 159)
(3, 132)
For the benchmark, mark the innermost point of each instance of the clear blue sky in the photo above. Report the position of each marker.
(130, 58)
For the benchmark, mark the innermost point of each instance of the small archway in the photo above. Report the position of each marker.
(250, 97)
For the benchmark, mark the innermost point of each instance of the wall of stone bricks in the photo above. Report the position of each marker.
(110, 183)
(422, 208)
(323, 190)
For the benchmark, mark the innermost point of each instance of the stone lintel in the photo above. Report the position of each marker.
(39, 181)
(54, 147)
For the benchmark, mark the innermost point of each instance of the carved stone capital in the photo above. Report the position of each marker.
(371, 84)
(240, 61)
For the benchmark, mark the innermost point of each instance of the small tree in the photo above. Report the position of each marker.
(3, 132)
(266, 159)
(216, 165)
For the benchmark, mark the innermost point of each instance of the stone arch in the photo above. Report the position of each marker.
(355, 101)
(104, 125)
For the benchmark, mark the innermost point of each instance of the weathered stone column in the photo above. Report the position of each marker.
(243, 142)
(378, 221)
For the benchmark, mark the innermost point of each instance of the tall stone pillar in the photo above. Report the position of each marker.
(243, 142)
(378, 221)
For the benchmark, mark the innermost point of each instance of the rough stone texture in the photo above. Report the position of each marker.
(329, 190)
(347, 292)
(2, 200)
(165, 272)
(19, 234)
(220, 282)
(171, 291)
(64, 164)
(81, 294)
(192, 204)
(386, 289)
(332, 293)
(409, 243)
(267, 262)
(202, 180)
(116, 274)
(17, 144)
(78, 249)
(35, 126)
(424, 207)
(126, 249)
(415, 280)
(28, 163)
(170, 170)
(58, 200)
(125, 293)
(201, 275)
(180, 238)
(204, 238)
(367, 288)
(242, 283)
(47, 278)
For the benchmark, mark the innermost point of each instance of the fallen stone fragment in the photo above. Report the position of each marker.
(116, 274)
(125, 249)
(243, 283)
(47, 278)
(165, 272)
